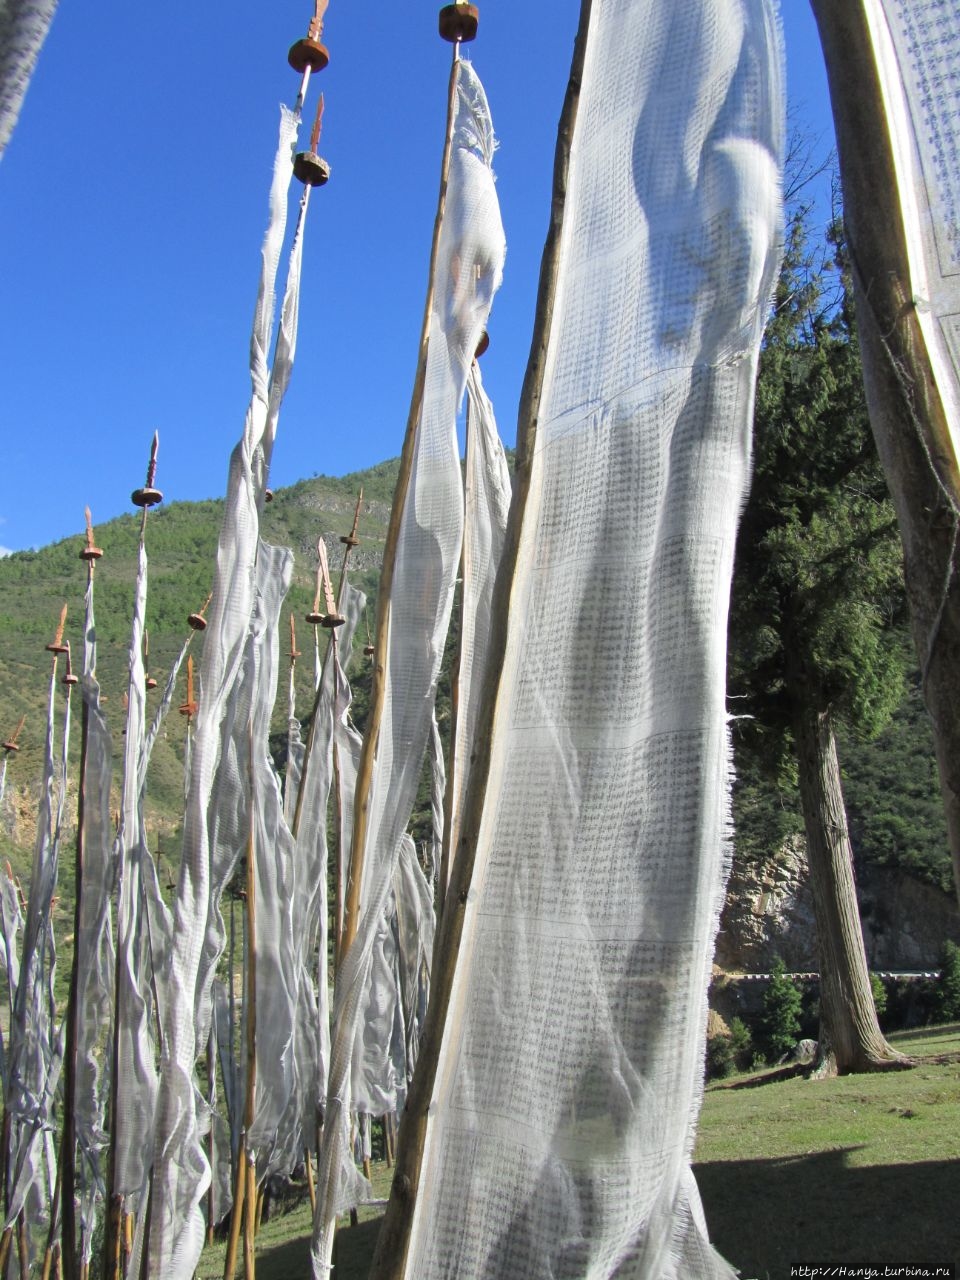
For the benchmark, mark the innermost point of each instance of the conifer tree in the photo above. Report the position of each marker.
(817, 584)
(782, 1008)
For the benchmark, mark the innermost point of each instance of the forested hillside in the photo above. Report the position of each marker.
(890, 783)
(181, 545)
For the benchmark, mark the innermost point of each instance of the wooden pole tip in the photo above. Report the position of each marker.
(458, 23)
(146, 497)
(308, 53)
(311, 169)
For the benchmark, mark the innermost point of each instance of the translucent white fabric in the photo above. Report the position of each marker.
(487, 501)
(291, 777)
(414, 922)
(917, 47)
(11, 928)
(136, 1086)
(219, 1142)
(23, 29)
(163, 708)
(95, 952)
(385, 1051)
(378, 1073)
(348, 744)
(212, 839)
(36, 1039)
(158, 920)
(438, 787)
(561, 1127)
(469, 269)
(275, 1135)
(224, 1035)
(311, 908)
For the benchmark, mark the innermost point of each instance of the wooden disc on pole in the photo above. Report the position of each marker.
(458, 23)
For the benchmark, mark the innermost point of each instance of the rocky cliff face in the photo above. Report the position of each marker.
(769, 913)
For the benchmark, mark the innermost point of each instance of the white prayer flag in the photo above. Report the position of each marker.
(560, 1129)
(469, 269)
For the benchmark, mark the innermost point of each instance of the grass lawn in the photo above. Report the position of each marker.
(853, 1172)
(849, 1172)
(283, 1242)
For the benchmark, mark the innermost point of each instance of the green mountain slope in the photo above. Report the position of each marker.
(891, 788)
(181, 547)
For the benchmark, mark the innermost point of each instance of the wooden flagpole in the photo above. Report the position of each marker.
(146, 497)
(350, 541)
(245, 1195)
(390, 1258)
(249, 1230)
(331, 620)
(6, 1236)
(388, 566)
(68, 1143)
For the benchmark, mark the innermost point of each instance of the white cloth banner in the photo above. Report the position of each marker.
(917, 47)
(211, 842)
(274, 1136)
(11, 930)
(438, 787)
(487, 501)
(311, 909)
(415, 923)
(136, 1086)
(23, 29)
(36, 1042)
(11, 927)
(561, 1127)
(469, 269)
(95, 953)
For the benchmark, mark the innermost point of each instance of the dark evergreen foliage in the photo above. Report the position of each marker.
(782, 1009)
(818, 609)
(818, 582)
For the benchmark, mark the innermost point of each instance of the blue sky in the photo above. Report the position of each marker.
(132, 206)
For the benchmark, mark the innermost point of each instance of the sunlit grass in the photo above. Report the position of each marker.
(859, 1170)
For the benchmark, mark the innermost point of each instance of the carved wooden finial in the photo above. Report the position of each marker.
(197, 620)
(310, 53)
(69, 679)
(90, 552)
(308, 166)
(149, 496)
(189, 708)
(57, 645)
(11, 743)
(350, 539)
(332, 618)
(148, 679)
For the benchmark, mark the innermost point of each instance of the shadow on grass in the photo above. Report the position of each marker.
(353, 1253)
(938, 1031)
(774, 1076)
(764, 1215)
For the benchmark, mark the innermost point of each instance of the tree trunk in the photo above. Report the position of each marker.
(850, 1036)
(906, 410)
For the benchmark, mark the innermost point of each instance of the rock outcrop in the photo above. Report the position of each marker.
(769, 914)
